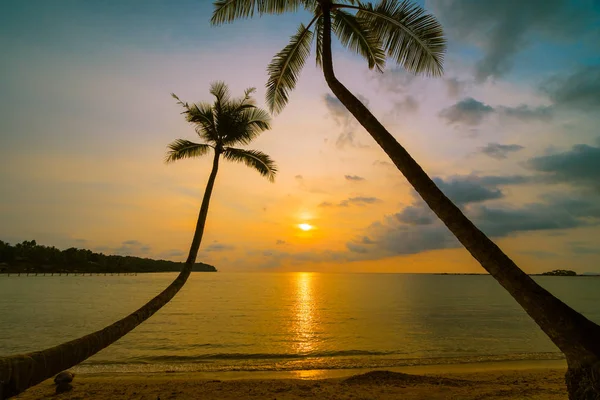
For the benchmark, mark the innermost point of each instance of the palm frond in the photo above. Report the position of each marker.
(357, 34)
(254, 159)
(413, 38)
(285, 68)
(181, 148)
(250, 123)
(226, 11)
(201, 116)
(220, 90)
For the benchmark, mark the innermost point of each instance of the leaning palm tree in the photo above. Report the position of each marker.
(403, 32)
(224, 123)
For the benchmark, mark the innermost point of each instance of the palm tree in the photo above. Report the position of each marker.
(222, 124)
(415, 40)
(225, 123)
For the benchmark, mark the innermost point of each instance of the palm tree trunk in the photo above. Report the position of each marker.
(204, 210)
(576, 336)
(19, 372)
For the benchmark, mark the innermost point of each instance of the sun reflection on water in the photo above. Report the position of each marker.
(304, 322)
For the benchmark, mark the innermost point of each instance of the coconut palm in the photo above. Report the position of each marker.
(224, 123)
(406, 34)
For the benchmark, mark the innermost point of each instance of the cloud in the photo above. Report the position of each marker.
(467, 111)
(408, 104)
(217, 247)
(354, 178)
(131, 248)
(472, 112)
(524, 112)
(387, 164)
(583, 248)
(357, 201)
(131, 243)
(416, 215)
(416, 228)
(298, 177)
(172, 253)
(467, 189)
(280, 242)
(580, 165)
(579, 90)
(454, 86)
(395, 80)
(504, 28)
(345, 120)
(500, 151)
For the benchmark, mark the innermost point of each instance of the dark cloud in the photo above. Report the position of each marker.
(280, 242)
(417, 229)
(583, 248)
(356, 248)
(504, 28)
(345, 120)
(467, 189)
(500, 151)
(472, 112)
(217, 247)
(366, 240)
(416, 215)
(299, 177)
(579, 90)
(354, 178)
(467, 111)
(580, 165)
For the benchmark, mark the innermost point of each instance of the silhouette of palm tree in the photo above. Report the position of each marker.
(403, 32)
(224, 123)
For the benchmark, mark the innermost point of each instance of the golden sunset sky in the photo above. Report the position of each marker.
(510, 133)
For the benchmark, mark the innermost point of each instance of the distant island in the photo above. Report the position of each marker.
(556, 272)
(29, 257)
(560, 272)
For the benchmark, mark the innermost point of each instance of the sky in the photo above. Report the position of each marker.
(510, 133)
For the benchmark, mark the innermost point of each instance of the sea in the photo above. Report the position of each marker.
(223, 322)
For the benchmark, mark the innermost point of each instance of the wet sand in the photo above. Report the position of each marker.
(543, 381)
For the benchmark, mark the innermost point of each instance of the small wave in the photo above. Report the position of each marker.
(267, 356)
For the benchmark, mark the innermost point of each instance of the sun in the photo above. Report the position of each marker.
(305, 227)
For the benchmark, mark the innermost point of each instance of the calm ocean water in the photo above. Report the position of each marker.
(287, 321)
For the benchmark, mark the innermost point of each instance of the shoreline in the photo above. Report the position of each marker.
(335, 373)
(542, 380)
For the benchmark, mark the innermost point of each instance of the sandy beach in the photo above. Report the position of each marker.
(543, 381)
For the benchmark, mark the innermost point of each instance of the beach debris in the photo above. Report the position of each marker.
(63, 381)
(64, 377)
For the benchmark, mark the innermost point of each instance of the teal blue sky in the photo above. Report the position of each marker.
(510, 131)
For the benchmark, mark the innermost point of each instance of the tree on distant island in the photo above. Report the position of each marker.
(220, 125)
(30, 257)
(560, 272)
(414, 39)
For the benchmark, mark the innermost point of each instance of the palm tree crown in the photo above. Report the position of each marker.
(222, 124)
(400, 30)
